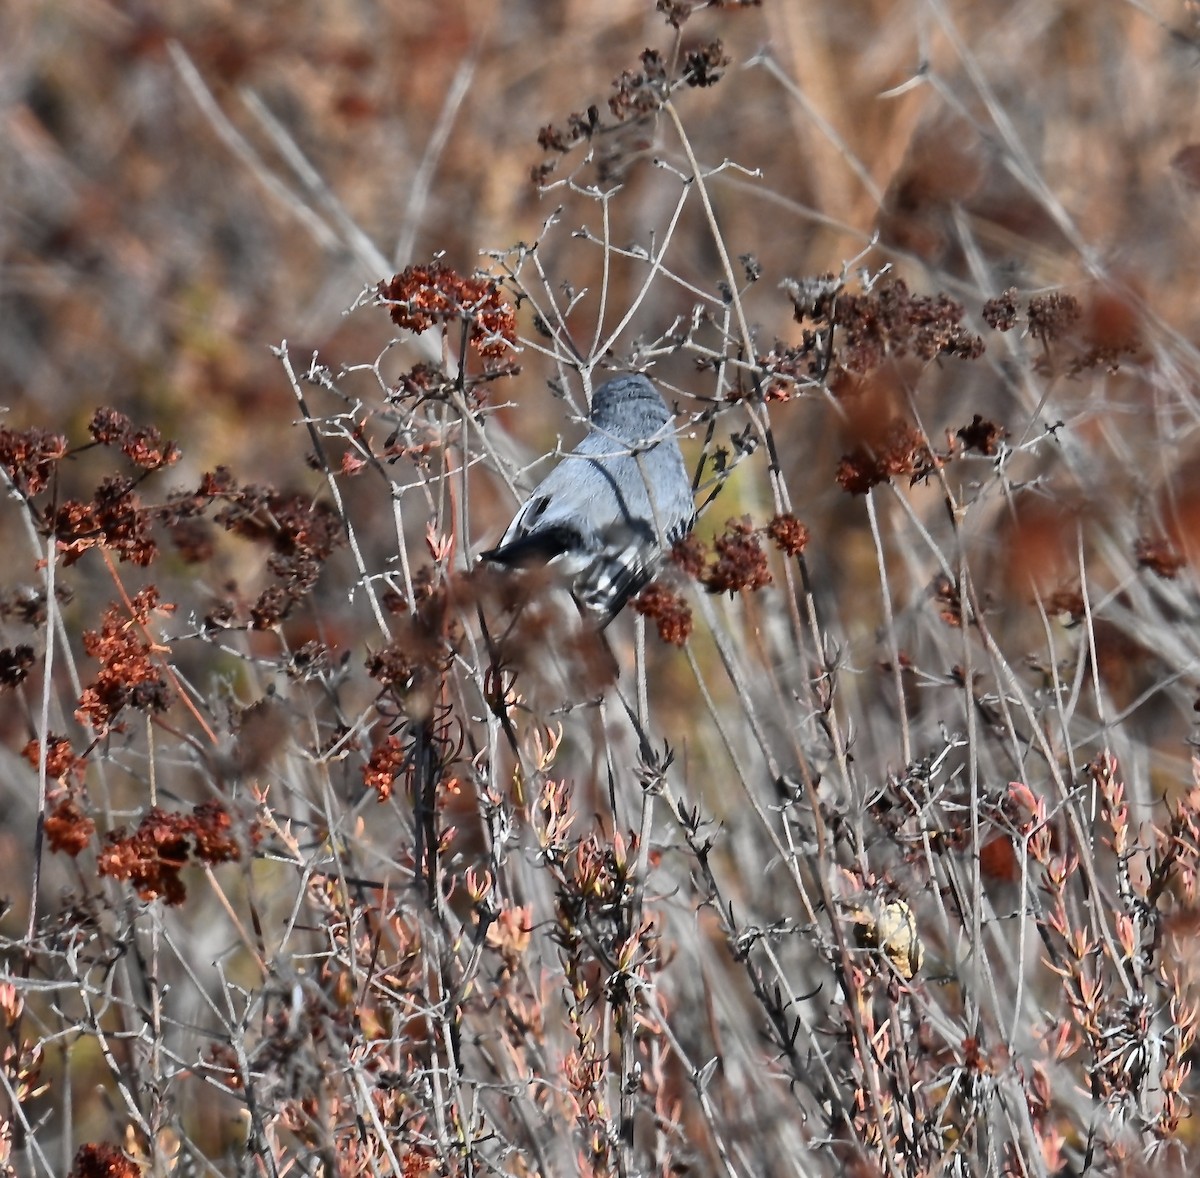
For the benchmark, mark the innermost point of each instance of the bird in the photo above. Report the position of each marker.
(604, 515)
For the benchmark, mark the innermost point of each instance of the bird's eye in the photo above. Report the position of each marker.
(537, 507)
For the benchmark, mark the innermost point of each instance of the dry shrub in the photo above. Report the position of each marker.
(330, 850)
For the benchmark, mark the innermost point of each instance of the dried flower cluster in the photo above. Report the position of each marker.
(143, 447)
(902, 452)
(153, 856)
(129, 675)
(68, 828)
(1103, 333)
(667, 610)
(788, 534)
(887, 322)
(735, 562)
(29, 457)
(384, 765)
(103, 1161)
(300, 533)
(114, 520)
(422, 296)
(739, 564)
(638, 96)
(1052, 316)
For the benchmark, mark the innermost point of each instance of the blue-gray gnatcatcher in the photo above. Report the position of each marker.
(604, 515)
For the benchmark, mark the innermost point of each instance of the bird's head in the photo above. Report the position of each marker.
(629, 408)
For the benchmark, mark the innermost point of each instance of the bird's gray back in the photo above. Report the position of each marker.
(602, 485)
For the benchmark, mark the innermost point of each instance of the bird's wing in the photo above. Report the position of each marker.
(526, 543)
(575, 502)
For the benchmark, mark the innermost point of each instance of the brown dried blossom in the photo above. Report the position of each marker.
(211, 830)
(902, 452)
(421, 296)
(143, 447)
(128, 675)
(740, 563)
(103, 1161)
(1001, 313)
(29, 457)
(667, 610)
(301, 532)
(641, 92)
(676, 12)
(154, 855)
(1102, 333)
(271, 607)
(383, 766)
(114, 520)
(68, 829)
(888, 322)
(1051, 316)
(109, 426)
(690, 555)
(580, 127)
(788, 534)
(705, 66)
(61, 761)
(151, 858)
